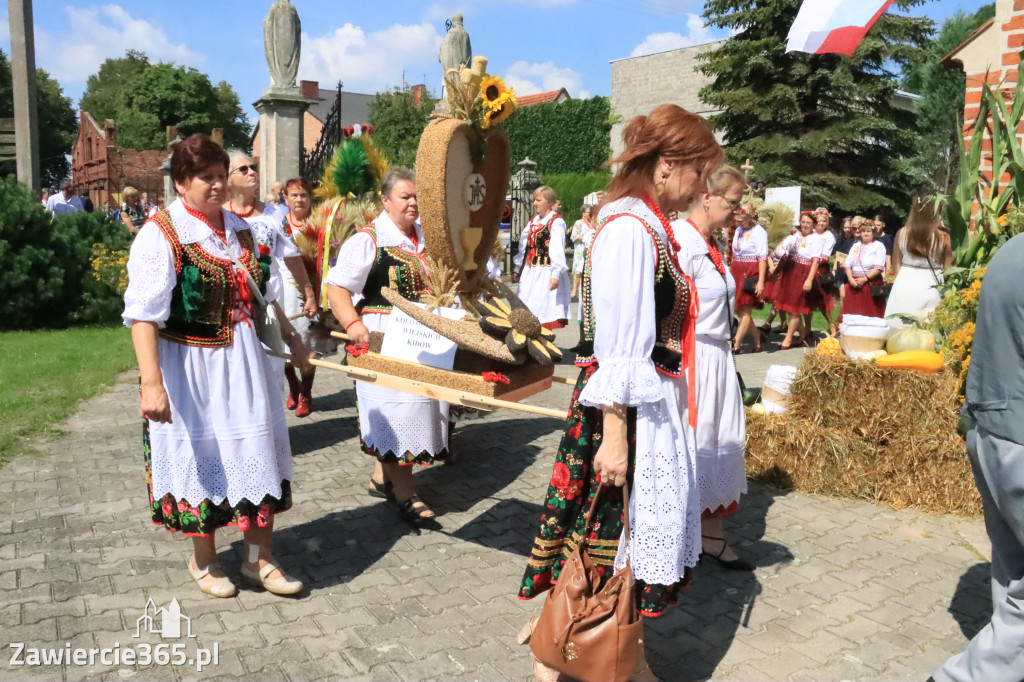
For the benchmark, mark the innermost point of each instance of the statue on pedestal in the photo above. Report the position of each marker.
(456, 50)
(282, 41)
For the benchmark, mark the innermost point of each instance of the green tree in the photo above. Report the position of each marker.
(56, 120)
(103, 89)
(231, 117)
(939, 112)
(828, 123)
(563, 137)
(398, 124)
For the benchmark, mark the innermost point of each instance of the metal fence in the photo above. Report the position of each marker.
(314, 163)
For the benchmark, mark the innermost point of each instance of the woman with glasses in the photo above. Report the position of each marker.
(267, 224)
(632, 411)
(721, 427)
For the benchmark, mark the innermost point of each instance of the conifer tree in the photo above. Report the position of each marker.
(829, 123)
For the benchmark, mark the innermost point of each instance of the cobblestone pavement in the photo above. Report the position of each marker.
(843, 590)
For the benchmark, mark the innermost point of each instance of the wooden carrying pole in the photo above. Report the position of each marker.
(434, 392)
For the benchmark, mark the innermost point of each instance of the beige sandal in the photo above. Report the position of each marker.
(284, 585)
(542, 672)
(220, 587)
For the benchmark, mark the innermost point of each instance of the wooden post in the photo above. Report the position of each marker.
(746, 167)
(23, 82)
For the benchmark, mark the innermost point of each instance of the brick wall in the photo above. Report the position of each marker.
(641, 83)
(135, 168)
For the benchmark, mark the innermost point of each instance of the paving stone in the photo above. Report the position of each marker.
(843, 589)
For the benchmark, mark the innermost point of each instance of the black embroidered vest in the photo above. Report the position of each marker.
(671, 306)
(203, 298)
(394, 268)
(538, 245)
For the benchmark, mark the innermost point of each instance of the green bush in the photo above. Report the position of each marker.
(571, 188)
(45, 270)
(562, 137)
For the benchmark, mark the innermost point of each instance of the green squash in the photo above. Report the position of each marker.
(910, 337)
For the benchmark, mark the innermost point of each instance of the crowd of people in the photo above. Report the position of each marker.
(665, 303)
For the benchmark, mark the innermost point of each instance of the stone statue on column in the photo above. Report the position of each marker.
(282, 105)
(456, 50)
(282, 41)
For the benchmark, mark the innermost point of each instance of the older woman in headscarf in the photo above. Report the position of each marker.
(214, 438)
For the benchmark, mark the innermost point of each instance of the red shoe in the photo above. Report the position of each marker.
(292, 402)
(304, 407)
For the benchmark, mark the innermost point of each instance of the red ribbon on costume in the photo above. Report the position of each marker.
(690, 350)
(355, 350)
(495, 378)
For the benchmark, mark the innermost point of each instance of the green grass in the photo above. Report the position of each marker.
(45, 374)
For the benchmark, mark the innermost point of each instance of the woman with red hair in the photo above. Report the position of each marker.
(633, 409)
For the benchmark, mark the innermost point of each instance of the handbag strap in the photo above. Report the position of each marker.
(593, 506)
(253, 287)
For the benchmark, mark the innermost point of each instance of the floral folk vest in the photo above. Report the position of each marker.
(395, 268)
(203, 298)
(672, 298)
(538, 245)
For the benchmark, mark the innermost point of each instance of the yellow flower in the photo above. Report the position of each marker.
(494, 92)
(492, 117)
(978, 274)
(1002, 220)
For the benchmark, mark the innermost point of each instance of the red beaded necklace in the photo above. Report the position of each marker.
(293, 226)
(713, 252)
(231, 207)
(195, 213)
(666, 225)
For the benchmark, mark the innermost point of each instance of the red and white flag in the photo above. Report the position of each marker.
(833, 26)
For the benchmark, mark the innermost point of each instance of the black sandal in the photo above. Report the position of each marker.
(416, 517)
(384, 490)
(730, 564)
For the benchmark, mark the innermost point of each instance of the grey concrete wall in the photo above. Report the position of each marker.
(641, 83)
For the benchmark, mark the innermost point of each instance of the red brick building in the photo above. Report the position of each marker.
(102, 169)
(990, 55)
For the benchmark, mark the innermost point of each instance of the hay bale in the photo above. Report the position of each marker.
(855, 430)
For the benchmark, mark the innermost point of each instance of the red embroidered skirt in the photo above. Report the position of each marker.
(773, 282)
(861, 302)
(790, 296)
(741, 270)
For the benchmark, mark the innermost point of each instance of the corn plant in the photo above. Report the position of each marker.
(973, 249)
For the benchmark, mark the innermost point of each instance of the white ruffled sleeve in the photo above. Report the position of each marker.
(151, 278)
(355, 259)
(556, 249)
(624, 317)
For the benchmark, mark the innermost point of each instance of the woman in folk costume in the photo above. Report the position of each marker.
(398, 429)
(632, 412)
(266, 222)
(215, 440)
(749, 259)
(794, 289)
(721, 426)
(542, 273)
(821, 296)
(864, 268)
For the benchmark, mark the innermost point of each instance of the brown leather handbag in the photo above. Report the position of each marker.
(584, 633)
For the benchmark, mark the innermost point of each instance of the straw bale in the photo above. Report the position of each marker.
(855, 430)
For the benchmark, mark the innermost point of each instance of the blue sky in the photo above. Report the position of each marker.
(537, 45)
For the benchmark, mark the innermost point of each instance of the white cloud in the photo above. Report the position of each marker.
(96, 34)
(530, 78)
(372, 62)
(697, 33)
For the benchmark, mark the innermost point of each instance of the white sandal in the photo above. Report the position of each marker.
(221, 587)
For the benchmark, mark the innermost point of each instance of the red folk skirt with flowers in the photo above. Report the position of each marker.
(859, 301)
(741, 270)
(570, 492)
(789, 294)
(203, 517)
